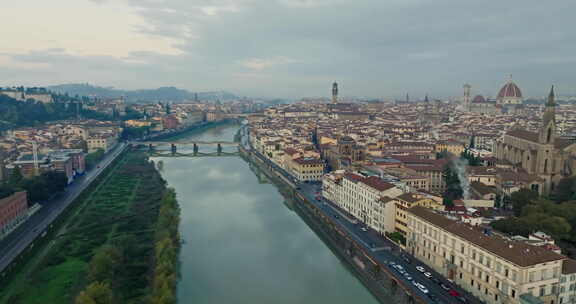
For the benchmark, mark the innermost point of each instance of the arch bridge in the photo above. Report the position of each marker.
(155, 147)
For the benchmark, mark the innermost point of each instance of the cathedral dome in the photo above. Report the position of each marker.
(510, 90)
(479, 99)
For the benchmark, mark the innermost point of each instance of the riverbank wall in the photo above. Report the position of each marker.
(376, 277)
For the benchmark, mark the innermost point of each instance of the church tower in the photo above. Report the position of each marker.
(548, 129)
(466, 100)
(334, 93)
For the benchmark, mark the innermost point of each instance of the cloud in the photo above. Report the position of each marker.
(266, 63)
(296, 48)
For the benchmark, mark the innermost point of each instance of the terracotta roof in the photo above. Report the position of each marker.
(516, 252)
(569, 266)
(410, 197)
(309, 161)
(523, 134)
(482, 189)
(510, 89)
(377, 183)
(372, 181)
(479, 99)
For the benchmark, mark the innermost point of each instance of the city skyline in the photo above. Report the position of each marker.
(371, 49)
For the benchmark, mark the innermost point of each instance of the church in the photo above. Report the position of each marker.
(543, 153)
(508, 101)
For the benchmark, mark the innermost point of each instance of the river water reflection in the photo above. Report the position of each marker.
(243, 245)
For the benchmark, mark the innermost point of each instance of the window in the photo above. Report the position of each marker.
(513, 293)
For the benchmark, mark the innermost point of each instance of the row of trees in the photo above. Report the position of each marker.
(107, 265)
(40, 188)
(534, 213)
(166, 251)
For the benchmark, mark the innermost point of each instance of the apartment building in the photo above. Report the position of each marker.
(369, 199)
(493, 268)
(13, 211)
(307, 168)
(567, 292)
(407, 201)
(101, 141)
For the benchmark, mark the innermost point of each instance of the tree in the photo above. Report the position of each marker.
(453, 186)
(16, 178)
(5, 191)
(565, 190)
(522, 198)
(93, 158)
(104, 264)
(96, 293)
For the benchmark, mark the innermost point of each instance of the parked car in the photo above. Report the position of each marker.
(444, 286)
(363, 229)
(454, 293)
(421, 287)
(428, 275)
(406, 259)
(420, 268)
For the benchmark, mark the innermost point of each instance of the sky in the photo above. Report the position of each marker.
(292, 48)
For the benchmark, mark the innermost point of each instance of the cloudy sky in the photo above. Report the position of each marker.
(292, 48)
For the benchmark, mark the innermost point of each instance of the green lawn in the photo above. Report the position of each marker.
(113, 210)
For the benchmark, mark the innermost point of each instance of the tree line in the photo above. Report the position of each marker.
(554, 215)
(39, 188)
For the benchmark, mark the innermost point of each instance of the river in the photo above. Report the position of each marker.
(242, 244)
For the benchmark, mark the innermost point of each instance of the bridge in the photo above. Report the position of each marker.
(173, 152)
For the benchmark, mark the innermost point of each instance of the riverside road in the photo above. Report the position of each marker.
(17, 241)
(381, 249)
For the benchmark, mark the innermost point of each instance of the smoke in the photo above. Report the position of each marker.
(460, 169)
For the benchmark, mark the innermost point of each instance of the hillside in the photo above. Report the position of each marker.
(151, 95)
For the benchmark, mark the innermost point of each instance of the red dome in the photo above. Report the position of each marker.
(510, 90)
(478, 99)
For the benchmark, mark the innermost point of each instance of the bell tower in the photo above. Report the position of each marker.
(335, 92)
(548, 129)
(466, 100)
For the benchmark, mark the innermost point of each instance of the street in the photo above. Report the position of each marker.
(23, 236)
(381, 249)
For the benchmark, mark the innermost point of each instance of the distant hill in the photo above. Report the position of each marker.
(145, 95)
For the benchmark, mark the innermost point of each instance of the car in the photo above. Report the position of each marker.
(421, 287)
(336, 216)
(399, 267)
(407, 276)
(363, 229)
(428, 275)
(420, 268)
(406, 259)
(402, 271)
(445, 287)
(454, 293)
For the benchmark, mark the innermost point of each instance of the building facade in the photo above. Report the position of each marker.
(13, 211)
(493, 268)
(369, 199)
(543, 154)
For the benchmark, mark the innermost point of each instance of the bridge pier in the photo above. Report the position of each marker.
(173, 148)
(195, 149)
(219, 149)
